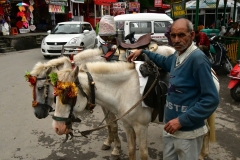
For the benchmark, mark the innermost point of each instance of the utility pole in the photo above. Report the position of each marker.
(196, 15)
(224, 15)
(216, 15)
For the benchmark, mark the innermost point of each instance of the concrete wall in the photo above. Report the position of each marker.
(24, 43)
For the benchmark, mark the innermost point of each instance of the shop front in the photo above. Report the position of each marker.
(5, 11)
(96, 9)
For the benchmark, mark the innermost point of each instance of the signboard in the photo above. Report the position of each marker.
(58, 3)
(134, 6)
(119, 5)
(56, 9)
(58, 0)
(178, 10)
(157, 3)
(104, 2)
(118, 8)
(78, 1)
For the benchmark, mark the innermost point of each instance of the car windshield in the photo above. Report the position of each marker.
(66, 29)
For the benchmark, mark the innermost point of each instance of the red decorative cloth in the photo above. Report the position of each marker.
(1, 11)
(20, 14)
(19, 24)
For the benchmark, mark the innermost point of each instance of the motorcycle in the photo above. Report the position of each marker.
(218, 55)
(234, 83)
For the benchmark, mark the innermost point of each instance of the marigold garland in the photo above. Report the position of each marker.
(60, 86)
(30, 78)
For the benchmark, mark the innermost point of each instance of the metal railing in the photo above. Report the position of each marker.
(232, 45)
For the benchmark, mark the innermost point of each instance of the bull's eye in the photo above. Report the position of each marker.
(40, 88)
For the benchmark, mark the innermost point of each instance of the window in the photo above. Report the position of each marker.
(161, 26)
(86, 27)
(140, 27)
(120, 25)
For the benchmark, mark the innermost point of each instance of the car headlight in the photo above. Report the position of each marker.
(73, 41)
(43, 41)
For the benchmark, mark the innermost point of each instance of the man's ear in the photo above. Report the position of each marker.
(192, 35)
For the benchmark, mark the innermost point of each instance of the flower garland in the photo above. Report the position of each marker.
(30, 78)
(60, 86)
(73, 90)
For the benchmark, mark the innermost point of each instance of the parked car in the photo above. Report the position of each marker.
(72, 34)
(143, 23)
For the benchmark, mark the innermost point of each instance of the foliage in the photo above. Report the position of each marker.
(53, 77)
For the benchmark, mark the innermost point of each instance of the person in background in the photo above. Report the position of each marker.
(200, 26)
(107, 30)
(167, 34)
(223, 31)
(230, 21)
(222, 22)
(237, 33)
(202, 41)
(218, 24)
(192, 95)
(233, 30)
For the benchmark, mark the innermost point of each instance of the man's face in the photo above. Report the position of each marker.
(108, 38)
(181, 37)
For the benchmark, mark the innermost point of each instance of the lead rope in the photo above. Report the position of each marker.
(87, 132)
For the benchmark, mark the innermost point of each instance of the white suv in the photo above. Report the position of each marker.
(72, 34)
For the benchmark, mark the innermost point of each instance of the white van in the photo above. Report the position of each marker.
(143, 23)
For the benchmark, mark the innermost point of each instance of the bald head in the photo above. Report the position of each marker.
(182, 34)
(183, 22)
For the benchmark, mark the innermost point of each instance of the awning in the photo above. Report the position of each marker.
(104, 2)
(204, 4)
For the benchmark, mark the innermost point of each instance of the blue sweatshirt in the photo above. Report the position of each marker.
(192, 95)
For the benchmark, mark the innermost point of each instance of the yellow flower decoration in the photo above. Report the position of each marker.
(73, 90)
(24, 19)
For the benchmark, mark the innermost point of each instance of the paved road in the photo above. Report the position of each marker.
(23, 136)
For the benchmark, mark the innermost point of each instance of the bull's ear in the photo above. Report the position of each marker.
(75, 72)
(49, 70)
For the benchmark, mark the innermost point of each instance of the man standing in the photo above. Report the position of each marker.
(192, 95)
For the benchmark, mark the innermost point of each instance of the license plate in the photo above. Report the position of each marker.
(55, 47)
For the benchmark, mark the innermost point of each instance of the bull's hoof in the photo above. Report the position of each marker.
(115, 157)
(105, 147)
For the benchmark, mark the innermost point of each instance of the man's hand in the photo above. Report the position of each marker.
(134, 55)
(172, 126)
